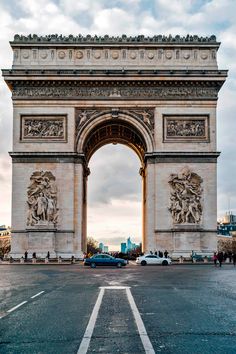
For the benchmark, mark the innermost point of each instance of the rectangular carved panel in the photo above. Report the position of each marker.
(186, 128)
(43, 128)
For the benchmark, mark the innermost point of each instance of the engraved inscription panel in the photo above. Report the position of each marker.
(185, 128)
(43, 128)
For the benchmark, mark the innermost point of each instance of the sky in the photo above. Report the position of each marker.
(114, 198)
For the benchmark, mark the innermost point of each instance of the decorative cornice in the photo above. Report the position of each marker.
(124, 72)
(50, 157)
(56, 38)
(182, 157)
(113, 90)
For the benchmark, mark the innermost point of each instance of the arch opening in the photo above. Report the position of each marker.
(114, 131)
(114, 198)
(111, 130)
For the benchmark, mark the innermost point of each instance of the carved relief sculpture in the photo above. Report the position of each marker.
(42, 199)
(185, 199)
(185, 128)
(144, 115)
(43, 128)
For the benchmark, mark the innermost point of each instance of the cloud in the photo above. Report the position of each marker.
(114, 174)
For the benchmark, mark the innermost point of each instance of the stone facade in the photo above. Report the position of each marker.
(71, 95)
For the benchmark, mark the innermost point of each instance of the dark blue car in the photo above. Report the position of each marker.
(104, 260)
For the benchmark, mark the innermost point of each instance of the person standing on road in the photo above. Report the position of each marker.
(234, 258)
(26, 256)
(220, 258)
(48, 255)
(215, 259)
(166, 253)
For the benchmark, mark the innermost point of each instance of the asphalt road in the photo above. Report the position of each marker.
(153, 309)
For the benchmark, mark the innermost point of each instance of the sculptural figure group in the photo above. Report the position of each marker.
(186, 128)
(185, 197)
(42, 199)
(43, 128)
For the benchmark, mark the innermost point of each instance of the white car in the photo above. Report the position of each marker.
(152, 259)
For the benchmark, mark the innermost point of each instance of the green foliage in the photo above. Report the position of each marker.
(92, 246)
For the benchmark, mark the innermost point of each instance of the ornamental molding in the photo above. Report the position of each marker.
(56, 38)
(96, 51)
(143, 115)
(175, 90)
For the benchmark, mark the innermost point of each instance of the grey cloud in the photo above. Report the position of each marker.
(114, 174)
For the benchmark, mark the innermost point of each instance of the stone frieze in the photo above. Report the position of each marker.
(75, 91)
(43, 128)
(185, 128)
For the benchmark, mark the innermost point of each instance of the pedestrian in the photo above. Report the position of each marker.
(220, 258)
(166, 253)
(48, 255)
(34, 255)
(26, 256)
(215, 259)
(72, 260)
(234, 258)
(160, 254)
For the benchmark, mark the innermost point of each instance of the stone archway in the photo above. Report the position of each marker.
(114, 126)
(72, 95)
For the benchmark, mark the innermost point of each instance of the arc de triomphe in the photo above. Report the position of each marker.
(71, 95)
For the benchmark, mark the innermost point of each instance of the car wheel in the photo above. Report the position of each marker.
(164, 263)
(119, 265)
(143, 263)
(93, 265)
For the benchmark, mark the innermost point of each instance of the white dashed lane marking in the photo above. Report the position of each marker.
(19, 305)
(41, 292)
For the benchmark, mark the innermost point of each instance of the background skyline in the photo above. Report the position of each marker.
(114, 193)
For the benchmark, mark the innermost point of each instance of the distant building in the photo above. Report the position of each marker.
(5, 240)
(128, 246)
(5, 231)
(101, 246)
(227, 225)
(229, 218)
(123, 247)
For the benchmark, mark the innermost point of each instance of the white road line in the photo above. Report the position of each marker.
(41, 292)
(16, 307)
(89, 330)
(139, 322)
(84, 345)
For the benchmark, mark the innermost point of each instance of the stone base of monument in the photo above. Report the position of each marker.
(42, 241)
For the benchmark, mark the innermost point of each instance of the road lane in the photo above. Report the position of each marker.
(185, 309)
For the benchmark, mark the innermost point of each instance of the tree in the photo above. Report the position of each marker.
(92, 246)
